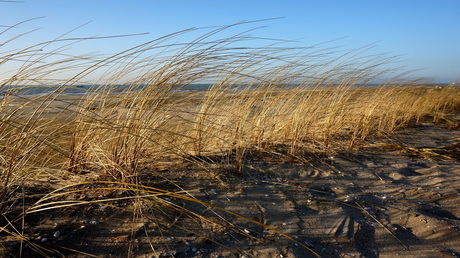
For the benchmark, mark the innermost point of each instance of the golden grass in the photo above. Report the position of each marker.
(261, 98)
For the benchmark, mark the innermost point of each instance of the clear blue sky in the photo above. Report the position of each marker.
(425, 33)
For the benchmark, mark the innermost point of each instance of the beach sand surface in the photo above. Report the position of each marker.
(393, 197)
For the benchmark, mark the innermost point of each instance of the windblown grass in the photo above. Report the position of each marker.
(269, 99)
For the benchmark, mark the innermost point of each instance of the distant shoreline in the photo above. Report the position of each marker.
(80, 89)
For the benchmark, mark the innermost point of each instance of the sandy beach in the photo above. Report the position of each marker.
(392, 197)
(226, 129)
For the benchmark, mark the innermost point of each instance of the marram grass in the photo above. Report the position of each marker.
(302, 99)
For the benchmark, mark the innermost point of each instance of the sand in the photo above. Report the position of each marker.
(394, 197)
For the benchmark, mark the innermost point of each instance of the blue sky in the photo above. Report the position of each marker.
(425, 34)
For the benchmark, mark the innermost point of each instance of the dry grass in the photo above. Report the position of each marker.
(302, 99)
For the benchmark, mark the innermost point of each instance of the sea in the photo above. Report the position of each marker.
(24, 90)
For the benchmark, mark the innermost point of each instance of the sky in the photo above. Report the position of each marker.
(424, 34)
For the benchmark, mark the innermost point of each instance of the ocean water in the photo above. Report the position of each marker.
(23, 90)
(114, 89)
